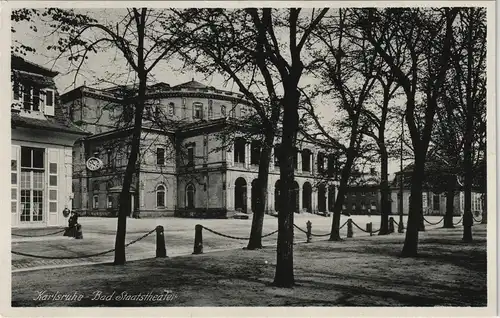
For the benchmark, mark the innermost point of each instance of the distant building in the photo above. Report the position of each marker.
(363, 195)
(42, 141)
(183, 170)
(432, 203)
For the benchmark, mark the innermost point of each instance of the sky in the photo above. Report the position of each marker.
(110, 65)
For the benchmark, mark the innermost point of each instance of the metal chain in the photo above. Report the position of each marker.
(458, 221)
(46, 234)
(433, 223)
(235, 237)
(82, 256)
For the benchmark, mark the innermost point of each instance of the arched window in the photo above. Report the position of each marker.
(190, 196)
(171, 109)
(160, 196)
(223, 111)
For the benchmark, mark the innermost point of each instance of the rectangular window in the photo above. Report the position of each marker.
(435, 202)
(49, 98)
(190, 155)
(53, 168)
(27, 98)
(160, 156)
(16, 87)
(36, 99)
(110, 202)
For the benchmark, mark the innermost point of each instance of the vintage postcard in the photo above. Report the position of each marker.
(249, 158)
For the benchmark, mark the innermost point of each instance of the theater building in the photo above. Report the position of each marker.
(182, 169)
(42, 139)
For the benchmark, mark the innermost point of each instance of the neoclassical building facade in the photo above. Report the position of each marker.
(183, 169)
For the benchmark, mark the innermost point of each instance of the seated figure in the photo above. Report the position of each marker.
(72, 224)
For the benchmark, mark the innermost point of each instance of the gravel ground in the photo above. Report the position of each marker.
(99, 236)
(365, 271)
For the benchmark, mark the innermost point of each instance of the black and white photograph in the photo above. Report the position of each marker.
(312, 157)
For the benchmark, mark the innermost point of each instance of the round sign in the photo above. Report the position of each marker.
(66, 212)
(94, 164)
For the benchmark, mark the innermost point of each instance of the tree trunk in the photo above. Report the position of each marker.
(415, 210)
(337, 208)
(337, 211)
(484, 214)
(125, 208)
(450, 197)
(284, 276)
(385, 205)
(468, 217)
(255, 241)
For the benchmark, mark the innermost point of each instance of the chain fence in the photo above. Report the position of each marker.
(45, 234)
(459, 221)
(235, 237)
(374, 232)
(430, 223)
(83, 256)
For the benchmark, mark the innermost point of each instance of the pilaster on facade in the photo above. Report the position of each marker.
(230, 157)
(314, 200)
(271, 161)
(270, 200)
(249, 198)
(299, 193)
(314, 154)
(299, 162)
(247, 155)
(230, 198)
(327, 209)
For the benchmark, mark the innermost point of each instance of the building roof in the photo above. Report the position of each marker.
(192, 84)
(48, 123)
(19, 63)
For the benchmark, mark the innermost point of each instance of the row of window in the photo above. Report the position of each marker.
(306, 154)
(32, 97)
(197, 110)
(160, 198)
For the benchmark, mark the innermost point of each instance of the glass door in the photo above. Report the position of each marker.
(32, 185)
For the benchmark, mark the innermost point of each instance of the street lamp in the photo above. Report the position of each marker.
(401, 200)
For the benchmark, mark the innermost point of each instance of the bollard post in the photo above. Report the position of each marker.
(161, 250)
(79, 232)
(391, 225)
(369, 228)
(349, 228)
(308, 234)
(198, 239)
(401, 227)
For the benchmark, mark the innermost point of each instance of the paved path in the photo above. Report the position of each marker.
(99, 236)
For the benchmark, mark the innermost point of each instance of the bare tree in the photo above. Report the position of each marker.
(422, 39)
(140, 35)
(248, 46)
(348, 69)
